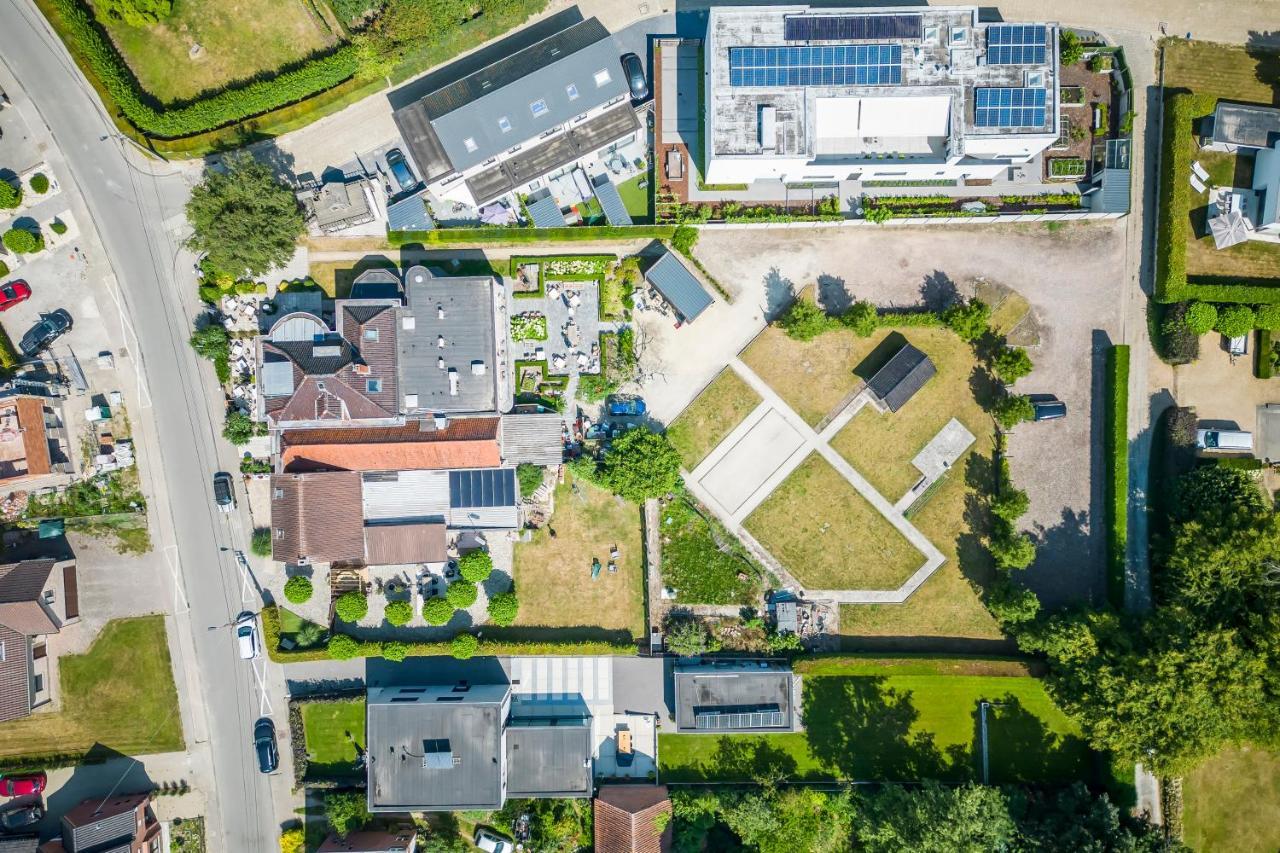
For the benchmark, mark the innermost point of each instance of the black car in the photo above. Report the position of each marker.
(1047, 407)
(50, 327)
(17, 820)
(400, 170)
(264, 745)
(633, 68)
(223, 491)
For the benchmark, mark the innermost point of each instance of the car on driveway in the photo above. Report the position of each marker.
(224, 492)
(13, 293)
(400, 170)
(1047, 407)
(48, 330)
(493, 843)
(22, 785)
(264, 745)
(21, 819)
(624, 407)
(636, 80)
(247, 636)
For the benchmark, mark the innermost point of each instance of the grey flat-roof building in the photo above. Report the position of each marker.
(901, 377)
(735, 696)
(1245, 125)
(549, 758)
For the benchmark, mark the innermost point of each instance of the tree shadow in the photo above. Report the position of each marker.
(779, 293)
(1264, 49)
(938, 292)
(1062, 573)
(833, 295)
(986, 389)
(1022, 749)
(751, 759)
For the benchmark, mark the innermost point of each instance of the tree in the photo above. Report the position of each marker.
(462, 594)
(862, 318)
(1235, 320)
(23, 242)
(684, 239)
(641, 464)
(1215, 494)
(1201, 317)
(213, 342)
(1011, 603)
(464, 646)
(970, 320)
(1012, 409)
(292, 840)
(784, 641)
(792, 819)
(1267, 317)
(503, 608)
(298, 589)
(239, 428)
(351, 606)
(1011, 549)
(395, 650)
(398, 613)
(687, 637)
(39, 183)
(244, 219)
(10, 196)
(1011, 364)
(804, 320)
(1070, 51)
(135, 13)
(530, 477)
(1011, 503)
(437, 611)
(475, 566)
(346, 812)
(343, 647)
(261, 544)
(309, 635)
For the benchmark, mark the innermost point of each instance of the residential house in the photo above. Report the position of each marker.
(31, 439)
(421, 444)
(117, 823)
(632, 819)
(37, 599)
(725, 696)
(1237, 214)
(403, 839)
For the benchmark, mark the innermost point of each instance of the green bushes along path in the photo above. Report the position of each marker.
(1117, 455)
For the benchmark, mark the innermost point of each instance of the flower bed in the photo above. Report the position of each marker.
(529, 326)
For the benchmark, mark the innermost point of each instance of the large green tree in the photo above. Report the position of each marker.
(244, 219)
(640, 464)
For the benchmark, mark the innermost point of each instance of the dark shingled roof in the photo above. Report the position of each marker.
(903, 375)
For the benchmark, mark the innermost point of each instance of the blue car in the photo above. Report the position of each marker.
(621, 407)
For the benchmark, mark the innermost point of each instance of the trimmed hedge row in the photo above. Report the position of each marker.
(9, 357)
(1117, 484)
(86, 39)
(496, 235)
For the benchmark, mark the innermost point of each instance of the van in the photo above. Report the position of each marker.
(1224, 439)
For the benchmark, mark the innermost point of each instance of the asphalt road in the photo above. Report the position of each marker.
(138, 215)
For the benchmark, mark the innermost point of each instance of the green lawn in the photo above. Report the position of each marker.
(1225, 71)
(332, 731)
(707, 420)
(867, 726)
(813, 377)
(636, 198)
(696, 566)
(119, 695)
(828, 535)
(1232, 801)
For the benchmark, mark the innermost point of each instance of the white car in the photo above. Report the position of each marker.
(247, 636)
(491, 843)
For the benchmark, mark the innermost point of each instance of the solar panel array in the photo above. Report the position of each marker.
(829, 65)
(486, 487)
(1009, 107)
(1016, 44)
(712, 721)
(851, 27)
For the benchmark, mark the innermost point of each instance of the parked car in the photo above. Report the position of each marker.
(400, 170)
(21, 819)
(491, 842)
(264, 745)
(1224, 439)
(633, 68)
(620, 407)
(13, 293)
(1047, 407)
(50, 327)
(22, 785)
(224, 492)
(247, 636)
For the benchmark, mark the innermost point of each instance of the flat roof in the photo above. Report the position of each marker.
(732, 689)
(468, 380)
(1250, 125)
(549, 760)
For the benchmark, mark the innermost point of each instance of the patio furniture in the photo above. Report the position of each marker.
(595, 568)
(1198, 171)
(1197, 185)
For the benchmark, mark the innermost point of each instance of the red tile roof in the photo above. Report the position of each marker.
(458, 429)
(316, 517)
(626, 819)
(405, 456)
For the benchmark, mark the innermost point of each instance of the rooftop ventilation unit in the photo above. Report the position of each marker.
(437, 755)
(477, 368)
(407, 322)
(440, 341)
(440, 362)
(768, 129)
(453, 382)
(441, 422)
(440, 312)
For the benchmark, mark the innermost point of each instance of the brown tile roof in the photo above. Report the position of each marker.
(400, 544)
(625, 818)
(328, 398)
(370, 841)
(34, 439)
(15, 675)
(382, 456)
(459, 429)
(316, 517)
(21, 585)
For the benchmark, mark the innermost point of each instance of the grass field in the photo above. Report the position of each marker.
(119, 695)
(828, 535)
(1232, 801)
(333, 730)
(712, 416)
(238, 39)
(694, 564)
(1223, 70)
(553, 576)
(864, 725)
(812, 376)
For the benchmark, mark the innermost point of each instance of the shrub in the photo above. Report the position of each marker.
(39, 183)
(213, 342)
(298, 589)
(292, 840)
(1011, 364)
(22, 241)
(804, 320)
(878, 215)
(475, 566)
(4, 269)
(437, 611)
(1070, 51)
(1116, 432)
(1012, 409)
(861, 319)
(8, 354)
(969, 320)
(1267, 317)
(462, 594)
(1235, 320)
(261, 542)
(342, 647)
(1180, 111)
(503, 608)
(351, 606)
(57, 226)
(10, 196)
(1201, 317)
(398, 613)
(464, 646)
(135, 13)
(1011, 504)
(530, 478)
(346, 812)
(1175, 342)
(395, 650)
(239, 428)
(687, 637)
(684, 239)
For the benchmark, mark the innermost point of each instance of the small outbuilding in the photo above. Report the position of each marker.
(678, 287)
(901, 377)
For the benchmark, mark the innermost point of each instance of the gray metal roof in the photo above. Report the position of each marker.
(1113, 195)
(467, 329)
(536, 439)
(108, 833)
(420, 137)
(409, 214)
(19, 843)
(1250, 125)
(901, 377)
(544, 211)
(277, 376)
(471, 108)
(549, 760)
(614, 210)
(678, 286)
(402, 721)
(288, 302)
(723, 687)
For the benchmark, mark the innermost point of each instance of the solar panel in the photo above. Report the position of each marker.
(1016, 44)
(851, 27)
(487, 487)
(748, 720)
(829, 65)
(1009, 107)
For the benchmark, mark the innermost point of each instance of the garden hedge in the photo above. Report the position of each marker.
(9, 357)
(1117, 482)
(497, 234)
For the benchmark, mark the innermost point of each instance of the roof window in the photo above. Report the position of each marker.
(572, 91)
(602, 77)
(504, 124)
(539, 108)
(370, 334)
(470, 144)
(373, 386)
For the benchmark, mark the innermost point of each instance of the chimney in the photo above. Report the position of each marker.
(440, 362)
(362, 369)
(440, 341)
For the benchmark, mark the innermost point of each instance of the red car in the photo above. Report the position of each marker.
(21, 786)
(13, 293)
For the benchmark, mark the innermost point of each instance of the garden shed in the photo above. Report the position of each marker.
(901, 377)
(678, 287)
